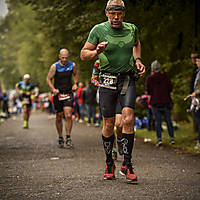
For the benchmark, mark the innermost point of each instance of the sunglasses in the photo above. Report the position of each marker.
(113, 14)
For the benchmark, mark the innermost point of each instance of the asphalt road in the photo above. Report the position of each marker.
(32, 167)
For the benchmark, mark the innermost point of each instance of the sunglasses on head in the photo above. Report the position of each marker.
(115, 8)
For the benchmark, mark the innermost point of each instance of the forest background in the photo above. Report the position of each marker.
(33, 32)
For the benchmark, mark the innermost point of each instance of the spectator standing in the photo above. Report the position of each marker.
(144, 101)
(99, 114)
(194, 73)
(5, 104)
(76, 111)
(196, 94)
(1, 98)
(89, 97)
(159, 87)
(80, 101)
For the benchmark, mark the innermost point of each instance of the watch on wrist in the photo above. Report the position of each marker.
(138, 58)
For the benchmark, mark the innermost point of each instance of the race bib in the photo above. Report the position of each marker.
(62, 97)
(108, 81)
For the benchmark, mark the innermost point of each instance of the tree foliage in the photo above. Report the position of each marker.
(33, 32)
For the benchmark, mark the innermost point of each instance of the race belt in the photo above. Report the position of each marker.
(62, 97)
(108, 80)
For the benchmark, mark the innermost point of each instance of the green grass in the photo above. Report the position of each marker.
(184, 137)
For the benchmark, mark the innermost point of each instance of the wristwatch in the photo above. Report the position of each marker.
(138, 58)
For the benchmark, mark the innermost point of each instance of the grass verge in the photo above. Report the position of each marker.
(185, 138)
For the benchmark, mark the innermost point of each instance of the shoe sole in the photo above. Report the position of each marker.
(131, 181)
(128, 181)
(109, 178)
(69, 147)
(172, 143)
(60, 146)
(25, 127)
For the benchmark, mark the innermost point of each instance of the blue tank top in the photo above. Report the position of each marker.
(63, 77)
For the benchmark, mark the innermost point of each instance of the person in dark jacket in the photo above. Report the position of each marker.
(159, 87)
(195, 104)
(89, 97)
(5, 107)
(194, 56)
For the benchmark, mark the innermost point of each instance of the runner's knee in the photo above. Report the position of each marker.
(59, 117)
(109, 124)
(127, 118)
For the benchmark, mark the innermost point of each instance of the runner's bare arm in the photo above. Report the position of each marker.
(50, 76)
(90, 51)
(17, 89)
(75, 76)
(137, 54)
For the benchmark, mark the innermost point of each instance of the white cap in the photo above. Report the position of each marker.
(26, 76)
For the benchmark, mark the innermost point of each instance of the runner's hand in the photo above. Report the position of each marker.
(101, 47)
(28, 93)
(75, 86)
(55, 91)
(140, 67)
(190, 95)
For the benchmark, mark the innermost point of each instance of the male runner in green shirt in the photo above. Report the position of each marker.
(116, 44)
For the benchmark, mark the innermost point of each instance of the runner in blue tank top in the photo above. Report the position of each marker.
(62, 72)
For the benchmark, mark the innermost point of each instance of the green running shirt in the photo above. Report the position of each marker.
(118, 55)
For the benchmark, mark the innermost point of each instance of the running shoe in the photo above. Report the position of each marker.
(130, 175)
(68, 143)
(80, 121)
(159, 143)
(123, 169)
(114, 154)
(119, 147)
(172, 141)
(60, 142)
(25, 125)
(109, 172)
(97, 124)
(197, 146)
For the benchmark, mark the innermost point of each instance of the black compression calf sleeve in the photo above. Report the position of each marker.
(108, 145)
(127, 141)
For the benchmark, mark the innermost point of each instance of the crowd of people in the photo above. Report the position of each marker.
(111, 92)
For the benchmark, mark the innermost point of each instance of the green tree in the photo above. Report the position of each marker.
(33, 32)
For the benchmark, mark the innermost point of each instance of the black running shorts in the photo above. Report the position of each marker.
(110, 97)
(59, 105)
(118, 108)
